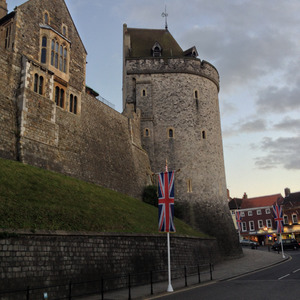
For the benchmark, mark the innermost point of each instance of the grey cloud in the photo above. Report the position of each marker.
(282, 152)
(288, 124)
(278, 100)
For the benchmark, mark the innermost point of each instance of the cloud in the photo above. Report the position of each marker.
(288, 124)
(278, 100)
(282, 152)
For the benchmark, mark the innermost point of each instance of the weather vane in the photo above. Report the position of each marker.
(165, 15)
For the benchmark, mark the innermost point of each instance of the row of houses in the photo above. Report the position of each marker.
(257, 217)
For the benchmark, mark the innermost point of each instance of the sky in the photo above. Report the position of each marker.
(255, 46)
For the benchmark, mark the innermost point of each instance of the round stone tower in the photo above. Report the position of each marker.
(177, 95)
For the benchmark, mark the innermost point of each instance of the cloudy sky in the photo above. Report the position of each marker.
(255, 46)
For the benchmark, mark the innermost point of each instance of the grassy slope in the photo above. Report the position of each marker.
(32, 198)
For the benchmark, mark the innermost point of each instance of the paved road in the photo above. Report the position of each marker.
(276, 283)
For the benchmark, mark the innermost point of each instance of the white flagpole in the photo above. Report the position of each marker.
(283, 256)
(170, 288)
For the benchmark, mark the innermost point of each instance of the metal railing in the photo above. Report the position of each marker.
(100, 287)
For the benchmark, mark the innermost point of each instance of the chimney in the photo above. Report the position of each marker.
(287, 192)
(3, 8)
(245, 196)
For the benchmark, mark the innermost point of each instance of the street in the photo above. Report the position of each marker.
(279, 282)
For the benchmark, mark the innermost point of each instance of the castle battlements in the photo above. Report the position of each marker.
(185, 65)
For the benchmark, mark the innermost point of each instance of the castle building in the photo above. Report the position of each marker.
(177, 95)
(49, 118)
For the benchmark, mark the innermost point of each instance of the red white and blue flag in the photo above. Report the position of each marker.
(238, 220)
(166, 201)
(278, 217)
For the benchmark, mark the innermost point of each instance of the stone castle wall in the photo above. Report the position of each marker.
(97, 144)
(164, 91)
(56, 259)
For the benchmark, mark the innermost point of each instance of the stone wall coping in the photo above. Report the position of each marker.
(92, 234)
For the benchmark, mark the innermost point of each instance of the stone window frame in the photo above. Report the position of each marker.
(62, 70)
(46, 17)
(143, 93)
(146, 132)
(8, 35)
(203, 134)
(196, 94)
(73, 103)
(38, 85)
(170, 133)
(260, 223)
(57, 95)
(64, 30)
(59, 55)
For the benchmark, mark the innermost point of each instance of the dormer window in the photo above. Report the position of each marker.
(156, 50)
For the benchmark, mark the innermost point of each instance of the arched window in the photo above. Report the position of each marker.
(35, 85)
(38, 84)
(75, 105)
(196, 94)
(65, 60)
(41, 84)
(46, 18)
(62, 98)
(146, 132)
(143, 92)
(44, 50)
(71, 103)
(57, 95)
(189, 185)
(60, 57)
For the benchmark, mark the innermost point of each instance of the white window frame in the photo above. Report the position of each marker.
(250, 213)
(285, 220)
(244, 226)
(258, 212)
(260, 223)
(242, 214)
(295, 218)
(268, 211)
(251, 226)
(269, 223)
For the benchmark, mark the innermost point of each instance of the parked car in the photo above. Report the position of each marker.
(287, 244)
(249, 243)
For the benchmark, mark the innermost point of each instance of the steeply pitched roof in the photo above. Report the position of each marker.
(260, 201)
(142, 41)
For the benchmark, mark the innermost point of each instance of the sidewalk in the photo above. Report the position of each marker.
(252, 260)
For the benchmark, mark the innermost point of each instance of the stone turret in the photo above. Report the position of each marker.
(3, 8)
(177, 94)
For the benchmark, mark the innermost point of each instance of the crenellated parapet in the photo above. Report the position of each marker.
(173, 65)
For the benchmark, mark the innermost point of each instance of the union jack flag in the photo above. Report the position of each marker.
(166, 201)
(238, 219)
(277, 209)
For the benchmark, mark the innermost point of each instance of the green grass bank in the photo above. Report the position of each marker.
(37, 199)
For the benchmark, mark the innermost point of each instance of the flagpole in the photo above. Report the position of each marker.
(170, 288)
(283, 256)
